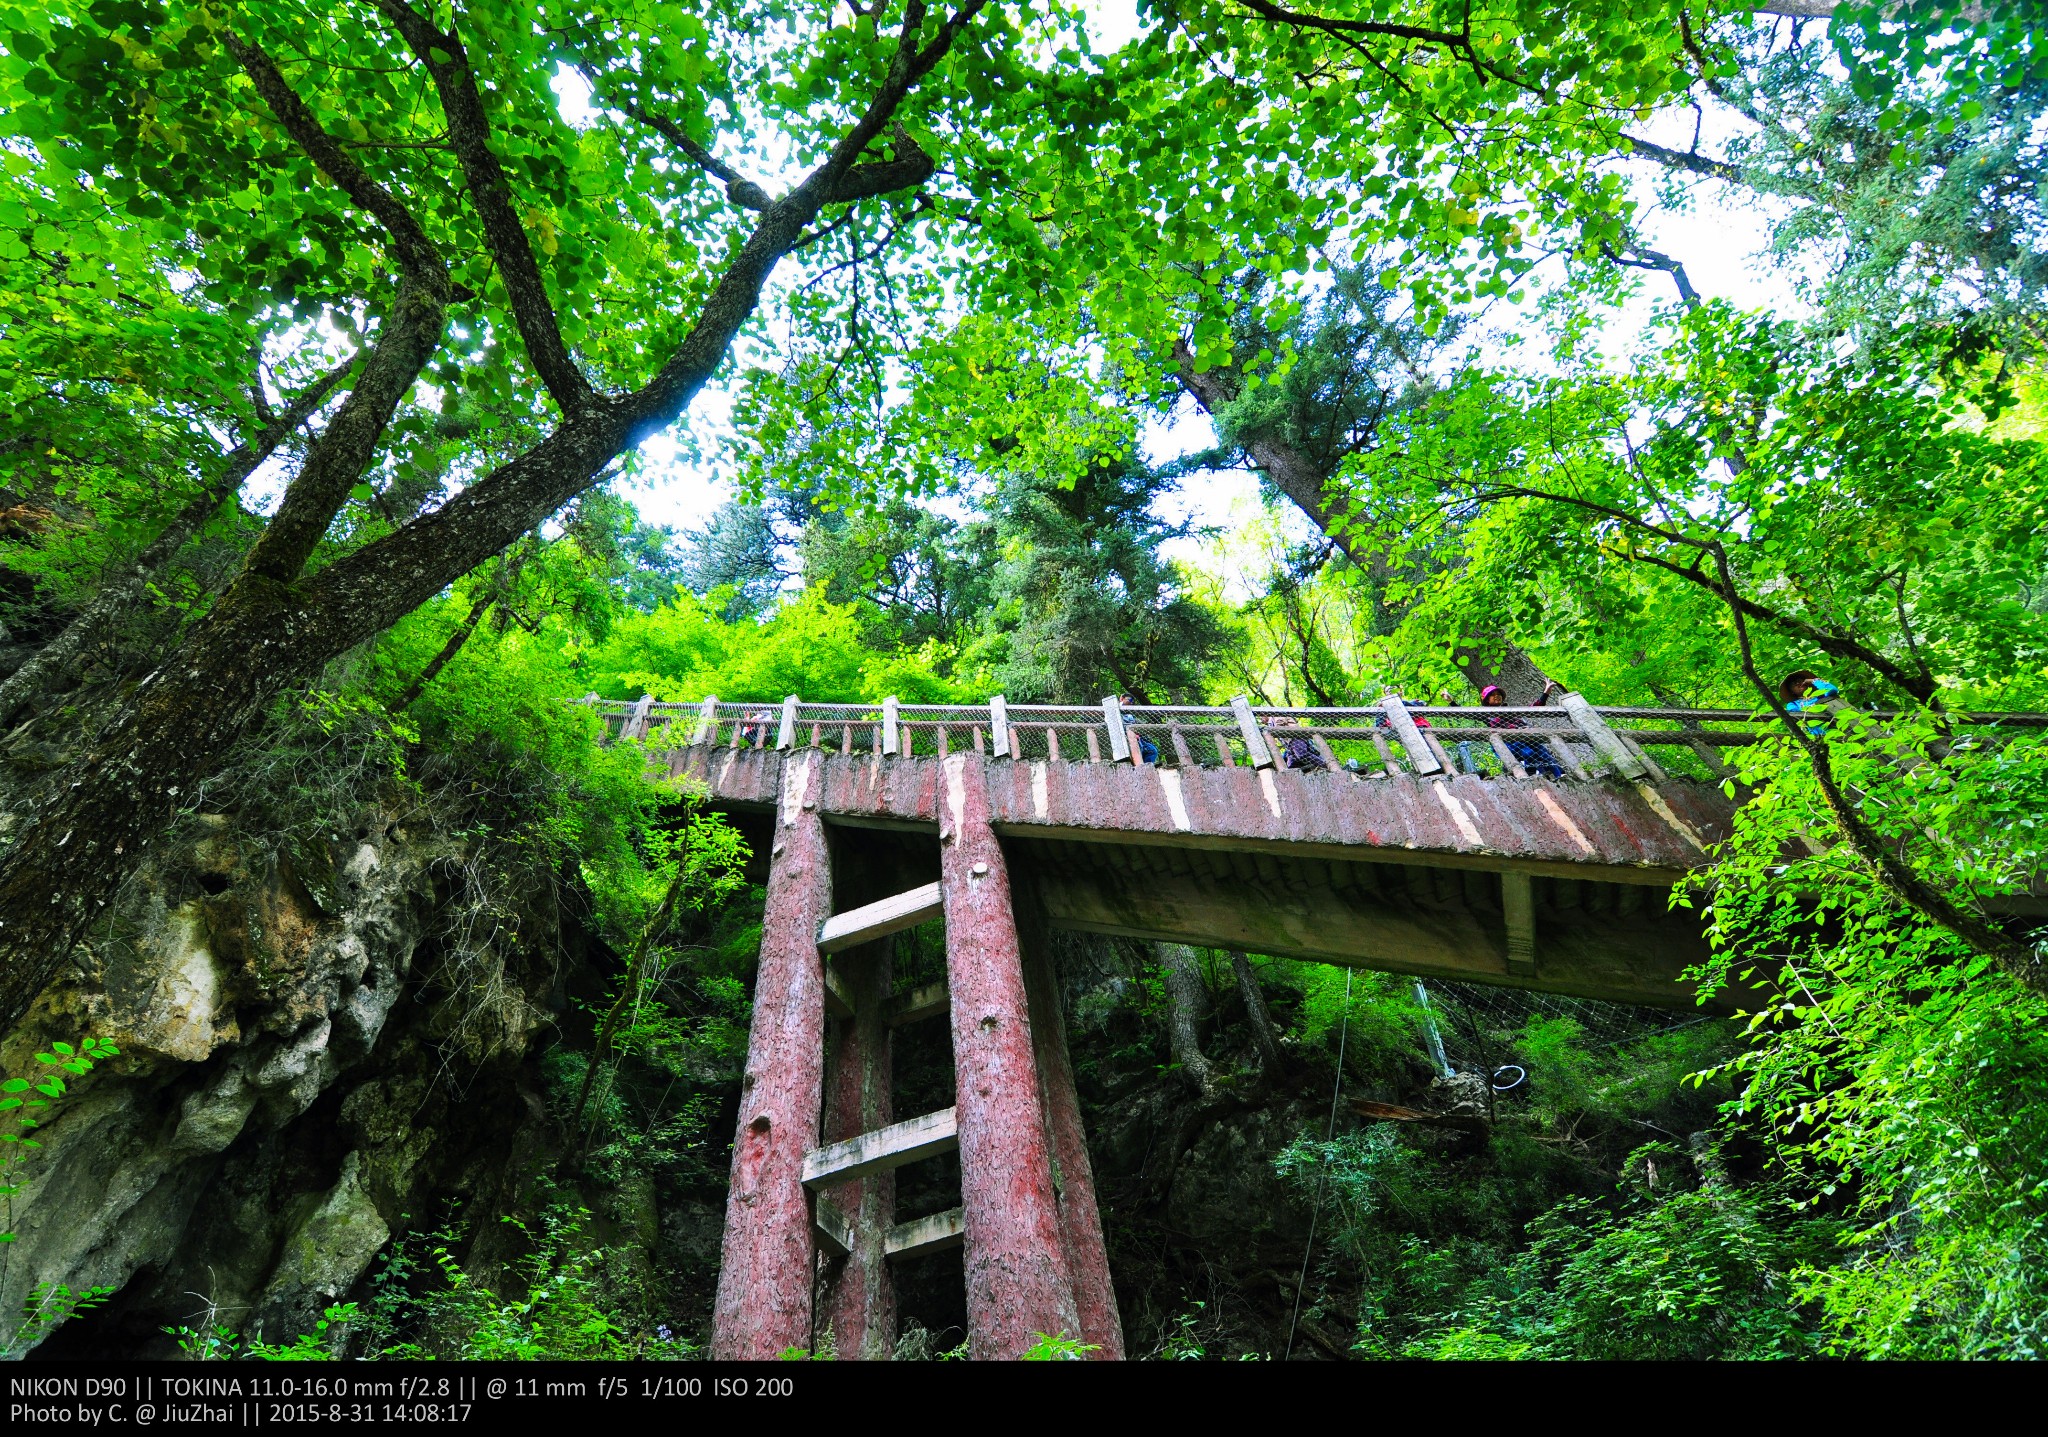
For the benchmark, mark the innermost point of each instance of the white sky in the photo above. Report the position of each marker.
(1719, 242)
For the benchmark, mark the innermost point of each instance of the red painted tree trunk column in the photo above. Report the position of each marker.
(1080, 1217)
(1017, 1280)
(768, 1264)
(859, 1299)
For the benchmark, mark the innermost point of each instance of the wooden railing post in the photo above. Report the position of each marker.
(786, 739)
(1604, 740)
(890, 734)
(636, 726)
(707, 720)
(1248, 728)
(1420, 756)
(1113, 720)
(999, 726)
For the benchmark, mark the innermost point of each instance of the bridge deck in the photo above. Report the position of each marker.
(1401, 874)
(1432, 851)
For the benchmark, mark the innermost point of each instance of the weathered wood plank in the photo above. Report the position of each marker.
(890, 747)
(1386, 757)
(882, 1149)
(834, 1232)
(785, 738)
(1566, 756)
(1509, 764)
(933, 1000)
(938, 1233)
(1518, 904)
(1650, 765)
(1113, 720)
(707, 720)
(879, 920)
(999, 726)
(839, 1001)
(1603, 738)
(636, 726)
(1420, 757)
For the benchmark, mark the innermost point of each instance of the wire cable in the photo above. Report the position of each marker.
(1329, 1136)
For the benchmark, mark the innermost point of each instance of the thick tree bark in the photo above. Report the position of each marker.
(273, 628)
(1187, 1004)
(1293, 473)
(1498, 661)
(1257, 1014)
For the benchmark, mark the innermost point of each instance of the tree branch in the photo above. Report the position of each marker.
(365, 591)
(469, 133)
(57, 656)
(1265, 10)
(1652, 259)
(738, 188)
(1921, 686)
(1692, 162)
(406, 340)
(2018, 960)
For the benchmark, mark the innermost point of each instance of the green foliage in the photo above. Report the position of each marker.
(25, 1106)
(552, 1305)
(1893, 1065)
(807, 645)
(1058, 1349)
(221, 1344)
(28, 1101)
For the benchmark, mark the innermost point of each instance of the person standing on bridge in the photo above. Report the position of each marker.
(1296, 751)
(1532, 754)
(1147, 749)
(755, 729)
(1804, 692)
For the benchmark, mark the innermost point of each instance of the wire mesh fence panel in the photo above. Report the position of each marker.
(1479, 1024)
(1547, 742)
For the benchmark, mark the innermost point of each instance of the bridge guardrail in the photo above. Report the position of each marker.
(1575, 740)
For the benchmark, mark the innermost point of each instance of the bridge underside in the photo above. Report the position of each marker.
(1562, 888)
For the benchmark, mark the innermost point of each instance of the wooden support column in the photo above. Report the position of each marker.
(1018, 1283)
(766, 1273)
(1518, 911)
(859, 1299)
(1080, 1217)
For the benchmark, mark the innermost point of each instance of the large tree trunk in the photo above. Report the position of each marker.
(1187, 1004)
(1489, 658)
(1256, 1014)
(1293, 473)
(275, 627)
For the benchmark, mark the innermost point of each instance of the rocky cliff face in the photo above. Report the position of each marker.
(328, 1042)
(315, 1044)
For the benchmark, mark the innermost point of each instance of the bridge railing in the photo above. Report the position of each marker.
(1569, 740)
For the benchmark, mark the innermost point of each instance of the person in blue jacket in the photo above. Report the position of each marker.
(1532, 753)
(1804, 692)
(1147, 749)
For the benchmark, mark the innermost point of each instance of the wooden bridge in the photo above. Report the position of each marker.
(1530, 847)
